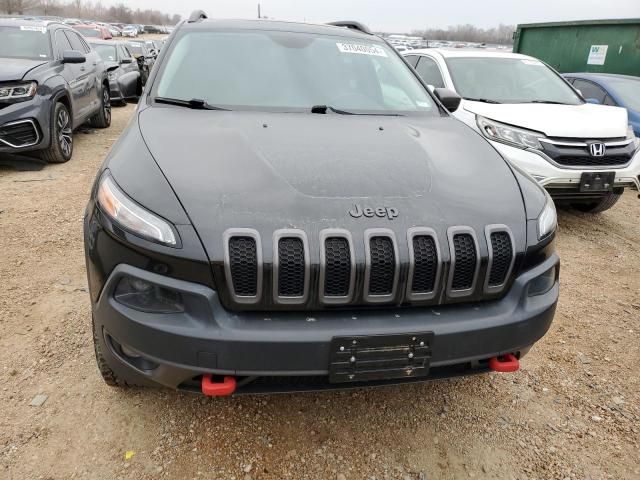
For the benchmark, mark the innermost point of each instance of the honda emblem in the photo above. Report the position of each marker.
(597, 149)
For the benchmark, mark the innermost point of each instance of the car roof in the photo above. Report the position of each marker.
(601, 76)
(276, 25)
(472, 52)
(13, 21)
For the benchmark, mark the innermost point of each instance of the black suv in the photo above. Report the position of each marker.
(291, 208)
(51, 82)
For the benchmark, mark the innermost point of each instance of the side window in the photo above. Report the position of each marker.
(412, 59)
(590, 90)
(123, 52)
(75, 41)
(609, 101)
(62, 43)
(428, 69)
(86, 46)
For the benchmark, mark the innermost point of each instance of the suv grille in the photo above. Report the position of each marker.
(414, 272)
(383, 266)
(338, 267)
(606, 161)
(426, 264)
(291, 271)
(243, 262)
(464, 269)
(502, 256)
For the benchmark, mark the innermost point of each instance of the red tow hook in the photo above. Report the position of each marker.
(218, 389)
(504, 363)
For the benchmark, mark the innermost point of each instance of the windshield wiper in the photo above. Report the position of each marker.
(194, 103)
(483, 100)
(323, 109)
(550, 102)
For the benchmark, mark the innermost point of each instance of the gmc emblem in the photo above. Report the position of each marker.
(597, 149)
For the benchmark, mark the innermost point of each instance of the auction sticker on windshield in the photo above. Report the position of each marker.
(361, 49)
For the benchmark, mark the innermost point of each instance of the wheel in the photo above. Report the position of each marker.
(102, 119)
(61, 145)
(108, 375)
(605, 203)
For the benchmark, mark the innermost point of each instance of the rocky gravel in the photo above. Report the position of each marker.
(571, 412)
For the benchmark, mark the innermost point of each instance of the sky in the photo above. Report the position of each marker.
(405, 15)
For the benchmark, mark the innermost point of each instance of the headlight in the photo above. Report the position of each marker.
(17, 92)
(113, 75)
(548, 219)
(131, 216)
(504, 133)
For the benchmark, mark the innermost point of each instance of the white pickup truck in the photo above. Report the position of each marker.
(583, 154)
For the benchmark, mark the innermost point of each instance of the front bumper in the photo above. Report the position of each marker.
(552, 177)
(38, 112)
(206, 338)
(115, 91)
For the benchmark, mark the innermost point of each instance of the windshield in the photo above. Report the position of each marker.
(24, 42)
(89, 32)
(287, 71)
(509, 80)
(107, 52)
(628, 89)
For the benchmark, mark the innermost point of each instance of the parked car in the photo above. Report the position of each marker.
(312, 218)
(115, 31)
(145, 58)
(584, 154)
(94, 31)
(130, 31)
(610, 89)
(123, 71)
(51, 82)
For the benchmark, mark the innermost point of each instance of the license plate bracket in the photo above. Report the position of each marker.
(380, 357)
(597, 181)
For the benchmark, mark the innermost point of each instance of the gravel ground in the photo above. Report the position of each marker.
(572, 411)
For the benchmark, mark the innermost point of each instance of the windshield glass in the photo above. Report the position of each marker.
(509, 80)
(628, 90)
(107, 52)
(287, 71)
(24, 42)
(89, 32)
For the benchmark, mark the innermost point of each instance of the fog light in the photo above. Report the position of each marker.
(148, 297)
(543, 283)
(128, 352)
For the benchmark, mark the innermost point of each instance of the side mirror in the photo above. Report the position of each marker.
(126, 60)
(595, 101)
(73, 56)
(450, 99)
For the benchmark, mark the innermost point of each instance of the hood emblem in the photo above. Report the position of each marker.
(597, 149)
(370, 212)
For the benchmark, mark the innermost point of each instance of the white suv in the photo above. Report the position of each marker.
(583, 154)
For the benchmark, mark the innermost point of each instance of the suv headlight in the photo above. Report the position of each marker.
(17, 92)
(500, 132)
(548, 219)
(131, 216)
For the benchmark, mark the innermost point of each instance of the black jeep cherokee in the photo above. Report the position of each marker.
(291, 208)
(51, 82)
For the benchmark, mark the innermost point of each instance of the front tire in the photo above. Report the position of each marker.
(102, 119)
(60, 147)
(599, 206)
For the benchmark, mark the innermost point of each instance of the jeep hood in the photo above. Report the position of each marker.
(12, 69)
(289, 170)
(565, 121)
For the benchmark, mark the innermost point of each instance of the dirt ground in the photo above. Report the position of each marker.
(573, 411)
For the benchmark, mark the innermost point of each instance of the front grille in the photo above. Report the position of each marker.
(383, 266)
(243, 262)
(586, 161)
(502, 256)
(291, 268)
(425, 264)
(338, 267)
(464, 269)
(19, 134)
(420, 271)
